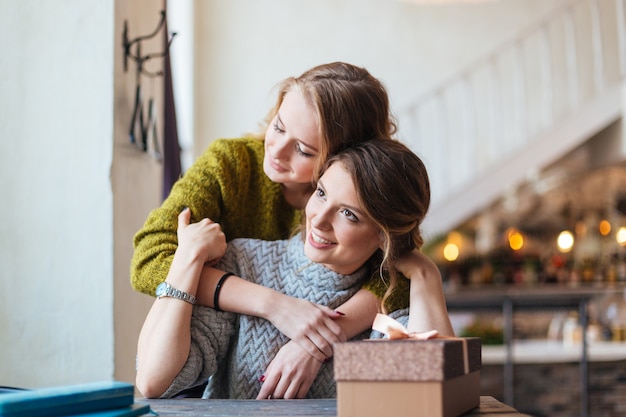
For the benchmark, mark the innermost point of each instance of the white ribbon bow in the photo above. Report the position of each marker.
(395, 330)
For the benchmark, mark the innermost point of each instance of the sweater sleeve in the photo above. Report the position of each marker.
(225, 184)
(211, 332)
(201, 190)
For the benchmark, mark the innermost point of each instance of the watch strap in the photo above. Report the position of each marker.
(176, 293)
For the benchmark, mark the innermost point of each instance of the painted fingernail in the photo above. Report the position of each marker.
(262, 378)
(340, 313)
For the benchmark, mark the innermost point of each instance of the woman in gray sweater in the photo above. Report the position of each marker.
(363, 219)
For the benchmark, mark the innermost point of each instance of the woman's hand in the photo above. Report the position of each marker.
(203, 240)
(427, 303)
(310, 325)
(415, 264)
(290, 374)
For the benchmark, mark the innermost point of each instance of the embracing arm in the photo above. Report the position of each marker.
(312, 328)
(292, 372)
(360, 311)
(315, 327)
(428, 309)
(157, 241)
(166, 331)
(225, 184)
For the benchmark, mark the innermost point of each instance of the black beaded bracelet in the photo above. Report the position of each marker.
(218, 288)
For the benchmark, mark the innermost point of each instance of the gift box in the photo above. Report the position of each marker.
(439, 377)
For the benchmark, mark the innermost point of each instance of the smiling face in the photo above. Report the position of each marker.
(339, 233)
(292, 142)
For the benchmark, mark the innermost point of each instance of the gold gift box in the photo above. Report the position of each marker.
(408, 378)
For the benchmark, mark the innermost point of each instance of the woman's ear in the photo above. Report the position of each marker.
(381, 241)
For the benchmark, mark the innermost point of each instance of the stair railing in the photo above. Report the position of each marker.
(500, 104)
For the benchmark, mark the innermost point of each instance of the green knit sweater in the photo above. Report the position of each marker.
(228, 185)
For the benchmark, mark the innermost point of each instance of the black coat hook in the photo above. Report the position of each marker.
(141, 130)
(137, 57)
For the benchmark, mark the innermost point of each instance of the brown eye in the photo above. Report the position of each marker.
(350, 215)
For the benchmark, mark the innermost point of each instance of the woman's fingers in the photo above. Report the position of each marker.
(290, 374)
(184, 218)
(310, 325)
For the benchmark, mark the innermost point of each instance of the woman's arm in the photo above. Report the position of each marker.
(225, 184)
(428, 309)
(293, 370)
(157, 240)
(166, 330)
(314, 327)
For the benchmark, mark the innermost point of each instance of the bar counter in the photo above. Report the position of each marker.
(512, 298)
(489, 406)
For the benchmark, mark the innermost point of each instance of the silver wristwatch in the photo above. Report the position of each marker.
(166, 290)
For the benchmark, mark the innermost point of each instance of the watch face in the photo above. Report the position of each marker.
(161, 289)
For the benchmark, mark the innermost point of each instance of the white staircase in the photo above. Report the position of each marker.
(513, 113)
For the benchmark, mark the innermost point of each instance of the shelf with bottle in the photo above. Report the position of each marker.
(582, 245)
(504, 266)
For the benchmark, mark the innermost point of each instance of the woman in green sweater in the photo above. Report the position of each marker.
(256, 187)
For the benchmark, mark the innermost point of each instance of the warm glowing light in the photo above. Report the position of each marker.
(565, 241)
(451, 252)
(516, 239)
(605, 227)
(455, 238)
(620, 236)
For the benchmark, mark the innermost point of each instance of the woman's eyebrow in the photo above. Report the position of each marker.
(279, 119)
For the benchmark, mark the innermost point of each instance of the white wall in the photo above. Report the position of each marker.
(243, 48)
(75, 189)
(56, 242)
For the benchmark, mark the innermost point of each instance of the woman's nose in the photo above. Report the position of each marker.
(321, 220)
(279, 149)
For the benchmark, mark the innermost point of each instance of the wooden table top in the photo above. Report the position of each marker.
(489, 406)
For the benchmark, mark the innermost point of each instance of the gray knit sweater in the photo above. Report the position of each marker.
(233, 351)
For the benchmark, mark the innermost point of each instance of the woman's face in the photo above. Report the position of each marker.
(292, 141)
(339, 234)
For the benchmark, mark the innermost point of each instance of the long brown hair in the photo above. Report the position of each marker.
(352, 106)
(393, 188)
